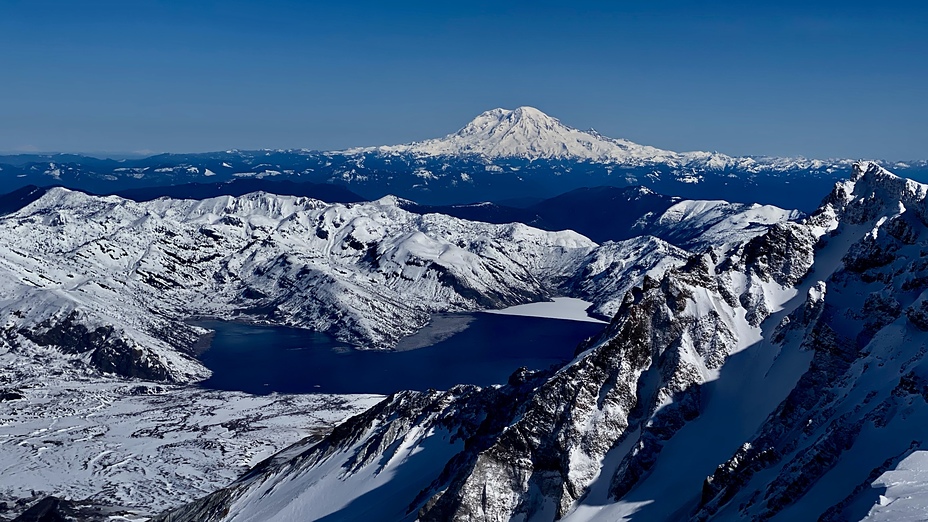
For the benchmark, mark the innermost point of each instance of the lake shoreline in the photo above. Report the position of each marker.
(469, 348)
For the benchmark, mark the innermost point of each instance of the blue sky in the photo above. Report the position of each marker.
(829, 79)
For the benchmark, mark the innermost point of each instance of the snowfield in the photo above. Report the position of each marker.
(569, 308)
(900, 493)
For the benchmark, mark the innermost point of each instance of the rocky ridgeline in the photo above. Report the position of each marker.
(840, 291)
(865, 390)
(534, 448)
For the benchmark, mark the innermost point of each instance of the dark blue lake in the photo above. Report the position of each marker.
(478, 348)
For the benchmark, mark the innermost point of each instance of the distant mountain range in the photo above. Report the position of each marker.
(501, 154)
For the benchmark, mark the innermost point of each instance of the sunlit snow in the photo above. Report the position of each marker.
(569, 308)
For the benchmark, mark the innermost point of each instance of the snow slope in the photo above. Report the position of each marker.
(903, 491)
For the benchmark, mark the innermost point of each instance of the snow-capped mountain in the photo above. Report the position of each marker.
(776, 376)
(527, 133)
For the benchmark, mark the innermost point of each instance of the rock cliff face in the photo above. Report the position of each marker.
(774, 376)
(632, 388)
(858, 404)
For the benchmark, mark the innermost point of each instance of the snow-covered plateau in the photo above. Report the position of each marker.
(568, 308)
(137, 448)
(776, 376)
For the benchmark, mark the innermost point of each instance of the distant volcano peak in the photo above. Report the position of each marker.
(526, 132)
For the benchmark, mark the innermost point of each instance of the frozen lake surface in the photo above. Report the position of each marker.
(569, 308)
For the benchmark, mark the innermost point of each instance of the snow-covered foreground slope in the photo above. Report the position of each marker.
(111, 280)
(899, 495)
(778, 377)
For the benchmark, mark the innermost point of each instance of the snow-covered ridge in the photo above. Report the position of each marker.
(85, 267)
(75, 266)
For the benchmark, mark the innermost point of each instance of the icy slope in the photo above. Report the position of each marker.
(111, 280)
